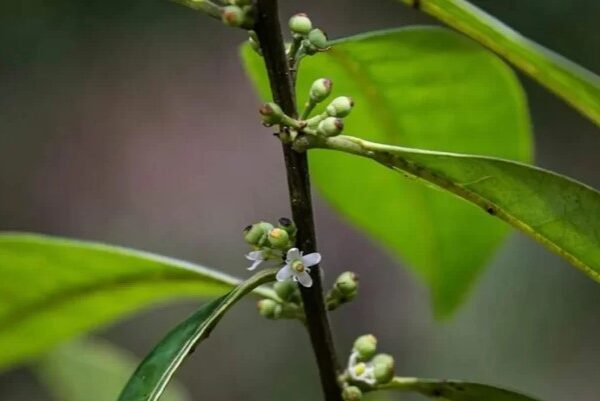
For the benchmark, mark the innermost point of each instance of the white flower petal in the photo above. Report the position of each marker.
(255, 264)
(255, 255)
(304, 279)
(284, 273)
(293, 254)
(311, 259)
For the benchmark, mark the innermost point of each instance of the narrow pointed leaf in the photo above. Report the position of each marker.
(453, 390)
(157, 369)
(559, 212)
(427, 88)
(53, 288)
(74, 371)
(576, 85)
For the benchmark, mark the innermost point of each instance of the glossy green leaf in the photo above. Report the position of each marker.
(154, 373)
(576, 85)
(426, 88)
(53, 288)
(453, 390)
(559, 212)
(74, 371)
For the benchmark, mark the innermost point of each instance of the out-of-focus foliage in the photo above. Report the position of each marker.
(88, 369)
(53, 288)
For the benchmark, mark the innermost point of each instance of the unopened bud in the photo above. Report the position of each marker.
(351, 393)
(331, 126)
(271, 113)
(253, 234)
(278, 238)
(320, 89)
(285, 289)
(340, 106)
(287, 225)
(318, 39)
(269, 309)
(347, 285)
(365, 346)
(300, 24)
(383, 366)
(233, 16)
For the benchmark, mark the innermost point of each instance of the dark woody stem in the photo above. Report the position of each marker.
(268, 30)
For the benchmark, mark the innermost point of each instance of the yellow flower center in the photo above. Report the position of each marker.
(298, 266)
(360, 368)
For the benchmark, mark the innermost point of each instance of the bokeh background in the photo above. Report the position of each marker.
(131, 122)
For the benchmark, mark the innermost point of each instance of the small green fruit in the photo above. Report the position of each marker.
(269, 309)
(233, 16)
(278, 238)
(347, 284)
(318, 39)
(320, 90)
(351, 393)
(340, 106)
(365, 346)
(300, 24)
(287, 225)
(271, 114)
(285, 289)
(253, 234)
(331, 126)
(383, 365)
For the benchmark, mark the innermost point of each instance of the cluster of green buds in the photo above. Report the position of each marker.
(344, 290)
(269, 242)
(366, 369)
(326, 124)
(288, 304)
(306, 38)
(266, 235)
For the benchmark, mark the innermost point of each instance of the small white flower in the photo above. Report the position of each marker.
(297, 267)
(361, 371)
(257, 257)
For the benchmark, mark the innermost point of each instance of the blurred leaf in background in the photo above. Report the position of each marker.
(427, 88)
(91, 369)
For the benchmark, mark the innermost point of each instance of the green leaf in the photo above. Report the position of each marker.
(75, 370)
(154, 373)
(562, 214)
(427, 88)
(453, 390)
(576, 85)
(52, 289)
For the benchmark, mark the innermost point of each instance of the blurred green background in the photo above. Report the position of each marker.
(131, 122)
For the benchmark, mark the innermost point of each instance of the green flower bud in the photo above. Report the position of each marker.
(253, 234)
(340, 106)
(331, 126)
(287, 225)
(233, 16)
(285, 289)
(278, 238)
(256, 234)
(320, 89)
(383, 365)
(365, 346)
(300, 24)
(269, 309)
(318, 39)
(351, 393)
(347, 284)
(271, 113)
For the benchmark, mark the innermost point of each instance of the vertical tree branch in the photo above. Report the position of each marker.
(268, 30)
